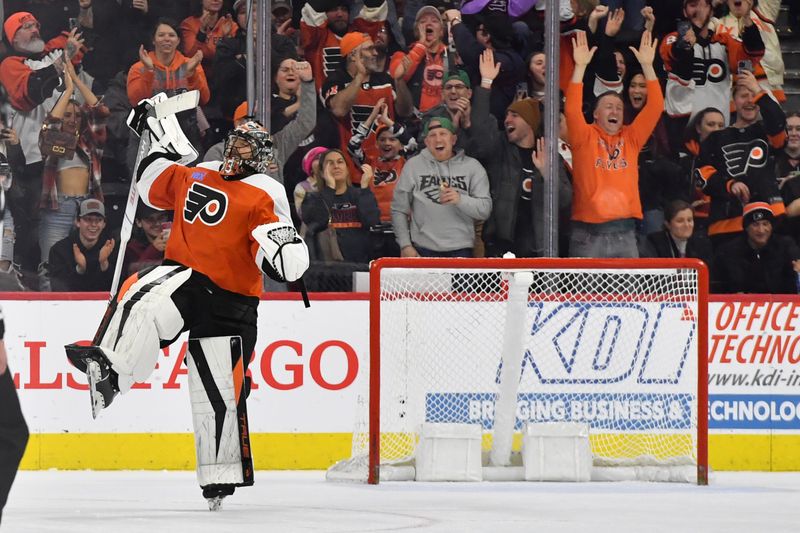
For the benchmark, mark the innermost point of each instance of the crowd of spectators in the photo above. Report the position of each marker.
(406, 129)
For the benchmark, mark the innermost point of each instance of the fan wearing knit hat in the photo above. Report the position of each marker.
(517, 219)
(758, 260)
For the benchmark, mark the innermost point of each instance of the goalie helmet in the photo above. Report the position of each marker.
(248, 150)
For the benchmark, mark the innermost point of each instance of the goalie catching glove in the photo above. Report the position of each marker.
(282, 254)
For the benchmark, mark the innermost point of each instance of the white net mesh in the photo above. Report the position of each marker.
(616, 349)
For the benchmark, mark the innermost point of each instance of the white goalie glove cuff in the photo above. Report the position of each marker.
(282, 254)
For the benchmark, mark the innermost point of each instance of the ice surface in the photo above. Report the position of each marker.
(152, 502)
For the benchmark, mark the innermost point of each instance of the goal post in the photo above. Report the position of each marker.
(617, 344)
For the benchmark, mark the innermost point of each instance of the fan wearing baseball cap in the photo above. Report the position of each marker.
(426, 63)
(352, 91)
(757, 260)
(324, 24)
(84, 260)
(446, 190)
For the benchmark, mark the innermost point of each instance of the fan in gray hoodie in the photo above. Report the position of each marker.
(439, 197)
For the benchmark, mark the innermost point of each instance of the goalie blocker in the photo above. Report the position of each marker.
(227, 228)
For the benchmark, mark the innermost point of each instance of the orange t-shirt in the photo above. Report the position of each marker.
(214, 219)
(606, 167)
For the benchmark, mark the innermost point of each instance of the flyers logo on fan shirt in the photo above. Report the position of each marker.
(206, 203)
(741, 157)
(384, 177)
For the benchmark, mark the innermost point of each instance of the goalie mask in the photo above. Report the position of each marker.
(248, 150)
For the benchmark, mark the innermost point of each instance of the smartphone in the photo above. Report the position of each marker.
(166, 229)
(73, 23)
(744, 64)
(683, 27)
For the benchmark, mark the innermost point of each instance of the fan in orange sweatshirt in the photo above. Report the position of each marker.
(165, 69)
(605, 154)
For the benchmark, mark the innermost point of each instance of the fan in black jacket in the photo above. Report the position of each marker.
(677, 239)
(84, 260)
(757, 261)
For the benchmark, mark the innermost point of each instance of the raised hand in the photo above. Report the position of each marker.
(73, 45)
(452, 14)
(104, 254)
(614, 22)
(141, 5)
(486, 65)
(384, 117)
(225, 24)
(160, 242)
(538, 156)
(191, 65)
(402, 68)
(361, 68)
(144, 57)
(376, 111)
(747, 79)
(597, 13)
(80, 259)
(581, 52)
(367, 175)
(207, 21)
(69, 77)
(464, 109)
(303, 70)
(285, 28)
(649, 18)
(647, 49)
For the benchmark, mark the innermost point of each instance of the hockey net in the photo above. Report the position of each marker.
(618, 344)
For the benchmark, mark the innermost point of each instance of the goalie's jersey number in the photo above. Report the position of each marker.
(206, 203)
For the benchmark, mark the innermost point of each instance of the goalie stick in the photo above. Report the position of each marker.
(171, 106)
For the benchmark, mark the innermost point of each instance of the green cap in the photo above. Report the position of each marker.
(458, 75)
(444, 122)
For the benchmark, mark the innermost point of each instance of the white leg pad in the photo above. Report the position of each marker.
(212, 389)
(145, 315)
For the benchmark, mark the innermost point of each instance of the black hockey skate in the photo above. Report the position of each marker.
(102, 380)
(214, 494)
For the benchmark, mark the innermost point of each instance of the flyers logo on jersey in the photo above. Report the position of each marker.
(384, 177)
(210, 205)
(741, 157)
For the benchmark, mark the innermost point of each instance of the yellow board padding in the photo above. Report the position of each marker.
(317, 451)
(771, 453)
(175, 451)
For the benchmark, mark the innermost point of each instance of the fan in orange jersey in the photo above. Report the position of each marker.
(231, 222)
(325, 22)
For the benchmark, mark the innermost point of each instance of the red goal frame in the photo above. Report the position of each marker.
(376, 267)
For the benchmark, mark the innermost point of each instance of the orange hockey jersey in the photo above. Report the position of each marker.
(321, 46)
(214, 219)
